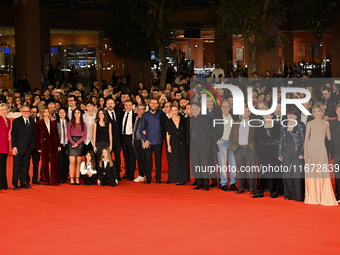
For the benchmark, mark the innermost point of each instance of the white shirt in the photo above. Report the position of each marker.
(105, 163)
(227, 127)
(243, 132)
(48, 125)
(114, 114)
(86, 168)
(89, 120)
(217, 72)
(61, 132)
(69, 113)
(128, 124)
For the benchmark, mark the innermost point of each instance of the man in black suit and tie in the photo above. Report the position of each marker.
(35, 153)
(23, 142)
(114, 115)
(127, 120)
(201, 137)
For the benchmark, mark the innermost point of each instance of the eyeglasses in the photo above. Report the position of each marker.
(25, 111)
(70, 100)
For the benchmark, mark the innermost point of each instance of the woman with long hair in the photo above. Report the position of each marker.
(101, 102)
(48, 145)
(17, 104)
(5, 127)
(63, 159)
(319, 189)
(102, 133)
(76, 133)
(178, 151)
(107, 173)
(88, 169)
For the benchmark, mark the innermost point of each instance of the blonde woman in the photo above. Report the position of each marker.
(107, 173)
(318, 184)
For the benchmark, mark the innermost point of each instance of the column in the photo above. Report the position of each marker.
(224, 54)
(27, 41)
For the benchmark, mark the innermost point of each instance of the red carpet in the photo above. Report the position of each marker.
(134, 218)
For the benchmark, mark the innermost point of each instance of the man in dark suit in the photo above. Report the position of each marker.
(242, 143)
(35, 153)
(127, 120)
(214, 113)
(200, 145)
(23, 142)
(114, 115)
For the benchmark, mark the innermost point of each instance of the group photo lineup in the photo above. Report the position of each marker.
(160, 127)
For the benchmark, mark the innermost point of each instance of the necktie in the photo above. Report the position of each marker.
(63, 133)
(27, 126)
(113, 116)
(125, 123)
(136, 126)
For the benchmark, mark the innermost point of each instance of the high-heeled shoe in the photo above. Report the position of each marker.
(77, 182)
(72, 181)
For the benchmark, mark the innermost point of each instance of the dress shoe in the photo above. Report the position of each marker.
(167, 182)
(25, 186)
(239, 192)
(125, 176)
(252, 193)
(178, 183)
(37, 183)
(158, 182)
(5, 188)
(130, 179)
(197, 187)
(213, 184)
(16, 188)
(225, 188)
(257, 195)
(233, 187)
(120, 179)
(274, 195)
(206, 188)
(147, 182)
(193, 184)
(40, 179)
(86, 184)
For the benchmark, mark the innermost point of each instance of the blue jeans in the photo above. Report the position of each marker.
(225, 153)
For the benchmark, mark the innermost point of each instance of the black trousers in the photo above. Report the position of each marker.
(35, 162)
(268, 157)
(293, 182)
(200, 163)
(116, 148)
(140, 156)
(157, 149)
(129, 156)
(245, 159)
(337, 176)
(21, 164)
(104, 180)
(87, 179)
(63, 163)
(212, 162)
(3, 171)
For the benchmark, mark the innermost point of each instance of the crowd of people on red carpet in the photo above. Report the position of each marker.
(79, 136)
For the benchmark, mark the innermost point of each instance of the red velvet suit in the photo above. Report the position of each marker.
(48, 143)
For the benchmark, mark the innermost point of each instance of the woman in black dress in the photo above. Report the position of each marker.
(291, 152)
(176, 139)
(102, 133)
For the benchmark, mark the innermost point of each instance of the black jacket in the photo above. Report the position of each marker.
(110, 171)
(22, 140)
